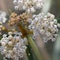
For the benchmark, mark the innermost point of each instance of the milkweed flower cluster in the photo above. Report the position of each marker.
(46, 25)
(29, 5)
(13, 46)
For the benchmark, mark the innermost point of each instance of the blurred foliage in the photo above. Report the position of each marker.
(29, 53)
(58, 20)
(1, 58)
(55, 8)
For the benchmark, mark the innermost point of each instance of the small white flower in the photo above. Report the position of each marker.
(14, 49)
(5, 35)
(10, 43)
(4, 51)
(16, 7)
(9, 33)
(20, 1)
(10, 37)
(11, 52)
(28, 10)
(32, 9)
(8, 55)
(3, 43)
(38, 6)
(14, 1)
(42, 31)
(24, 7)
(3, 18)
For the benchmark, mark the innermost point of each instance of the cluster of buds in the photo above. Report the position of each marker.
(46, 25)
(13, 47)
(29, 5)
(14, 18)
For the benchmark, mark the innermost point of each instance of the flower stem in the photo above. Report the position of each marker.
(25, 33)
(34, 48)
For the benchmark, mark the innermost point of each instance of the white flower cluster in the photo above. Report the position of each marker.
(13, 46)
(45, 25)
(29, 5)
(2, 17)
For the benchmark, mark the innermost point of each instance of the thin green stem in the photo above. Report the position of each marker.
(34, 48)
